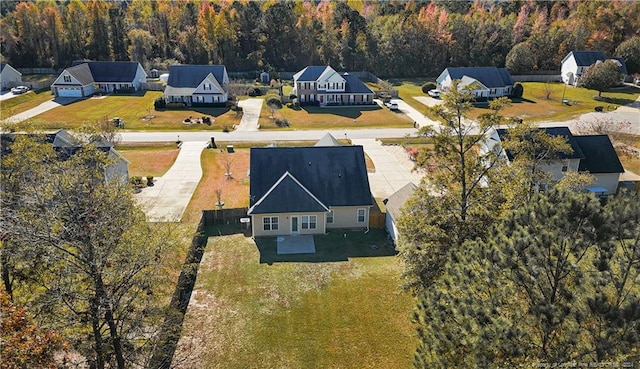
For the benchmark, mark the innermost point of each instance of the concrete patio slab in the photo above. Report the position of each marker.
(302, 244)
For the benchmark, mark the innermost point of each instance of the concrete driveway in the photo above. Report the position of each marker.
(411, 112)
(44, 107)
(393, 168)
(250, 114)
(168, 198)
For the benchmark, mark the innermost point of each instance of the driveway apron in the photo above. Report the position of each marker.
(168, 198)
(393, 168)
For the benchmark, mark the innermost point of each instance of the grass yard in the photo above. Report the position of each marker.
(138, 113)
(336, 309)
(536, 107)
(24, 102)
(149, 159)
(235, 191)
(314, 117)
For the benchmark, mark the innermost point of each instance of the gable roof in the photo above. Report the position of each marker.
(491, 77)
(310, 73)
(396, 201)
(585, 58)
(184, 79)
(81, 73)
(300, 199)
(354, 85)
(600, 156)
(335, 175)
(3, 65)
(192, 75)
(327, 140)
(111, 71)
(622, 64)
(554, 131)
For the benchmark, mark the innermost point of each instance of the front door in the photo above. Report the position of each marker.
(294, 225)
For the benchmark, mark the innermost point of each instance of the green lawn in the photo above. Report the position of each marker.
(314, 117)
(24, 102)
(340, 308)
(134, 109)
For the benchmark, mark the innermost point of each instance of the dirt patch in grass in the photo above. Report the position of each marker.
(235, 190)
(149, 160)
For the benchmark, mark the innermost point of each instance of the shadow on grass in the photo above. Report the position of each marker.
(343, 111)
(614, 100)
(337, 245)
(518, 100)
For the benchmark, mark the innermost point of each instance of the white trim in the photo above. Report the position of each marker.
(278, 183)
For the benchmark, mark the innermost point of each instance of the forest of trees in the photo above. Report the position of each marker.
(392, 38)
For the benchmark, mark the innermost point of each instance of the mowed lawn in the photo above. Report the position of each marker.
(340, 308)
(334, 117)
(138, 113)
(24, 102)
(149, 159)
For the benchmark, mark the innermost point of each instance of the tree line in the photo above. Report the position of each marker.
(395, 38)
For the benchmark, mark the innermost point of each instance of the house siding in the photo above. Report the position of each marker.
(390, 225)
(10, 77)
(347, 217)
(606, 180)
(555, 168)
(284, 224)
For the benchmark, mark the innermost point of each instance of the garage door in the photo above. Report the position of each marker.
(69, 92)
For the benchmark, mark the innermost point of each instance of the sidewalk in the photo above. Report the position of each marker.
(167, 200)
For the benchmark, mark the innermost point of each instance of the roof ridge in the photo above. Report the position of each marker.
(277, 183)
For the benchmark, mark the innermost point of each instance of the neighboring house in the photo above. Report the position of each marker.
(197, 84)
(67, 145)
(324, 86)
(577, 62)
(483, 82)
(9, 77)
(327, 140)
(308, 190)
(394, 204)
(85, 78)
(591, 153)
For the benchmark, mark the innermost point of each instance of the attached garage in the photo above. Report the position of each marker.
(68, 92)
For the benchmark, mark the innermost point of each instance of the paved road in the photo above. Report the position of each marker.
(264, 135)
(168, 198)
(250, 114)
(393, 168)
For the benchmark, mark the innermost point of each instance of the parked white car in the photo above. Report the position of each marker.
(19, 90)
(392, 106)
(434, 93)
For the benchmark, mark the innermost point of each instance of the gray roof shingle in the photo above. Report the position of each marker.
(355, 86)
(554, 131)
(111, 71)
(190, 76)
(335, 175)
(491, 77)
(396, 201)
(600, 156)
(311, 73)
(586, 58)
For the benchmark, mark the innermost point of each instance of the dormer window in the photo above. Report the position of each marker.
(67, 78)
(207, 86)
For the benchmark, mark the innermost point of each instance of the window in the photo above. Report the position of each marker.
(67, 79)
(361, 213)
(270, 223)
(309, 222)
(565, 165)
(207, 86)
(330, 216)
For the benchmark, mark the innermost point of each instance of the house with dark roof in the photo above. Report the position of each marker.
(9, 77)
(593, 154)
(84, 78)
(394, 205)
(197, 84)
(576, 63)
(66, 145)
(308, 190)
(483, 82)
(324, 86)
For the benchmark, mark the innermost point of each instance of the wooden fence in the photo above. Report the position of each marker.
(376, 220)
(224, 216)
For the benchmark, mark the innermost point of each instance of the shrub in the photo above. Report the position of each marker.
(225, 129)
(428, 87)
(230, 104)
(136, 181)
(275, 101)
(160, 103)
(293, 96)
(518, 90)
(282, 122)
